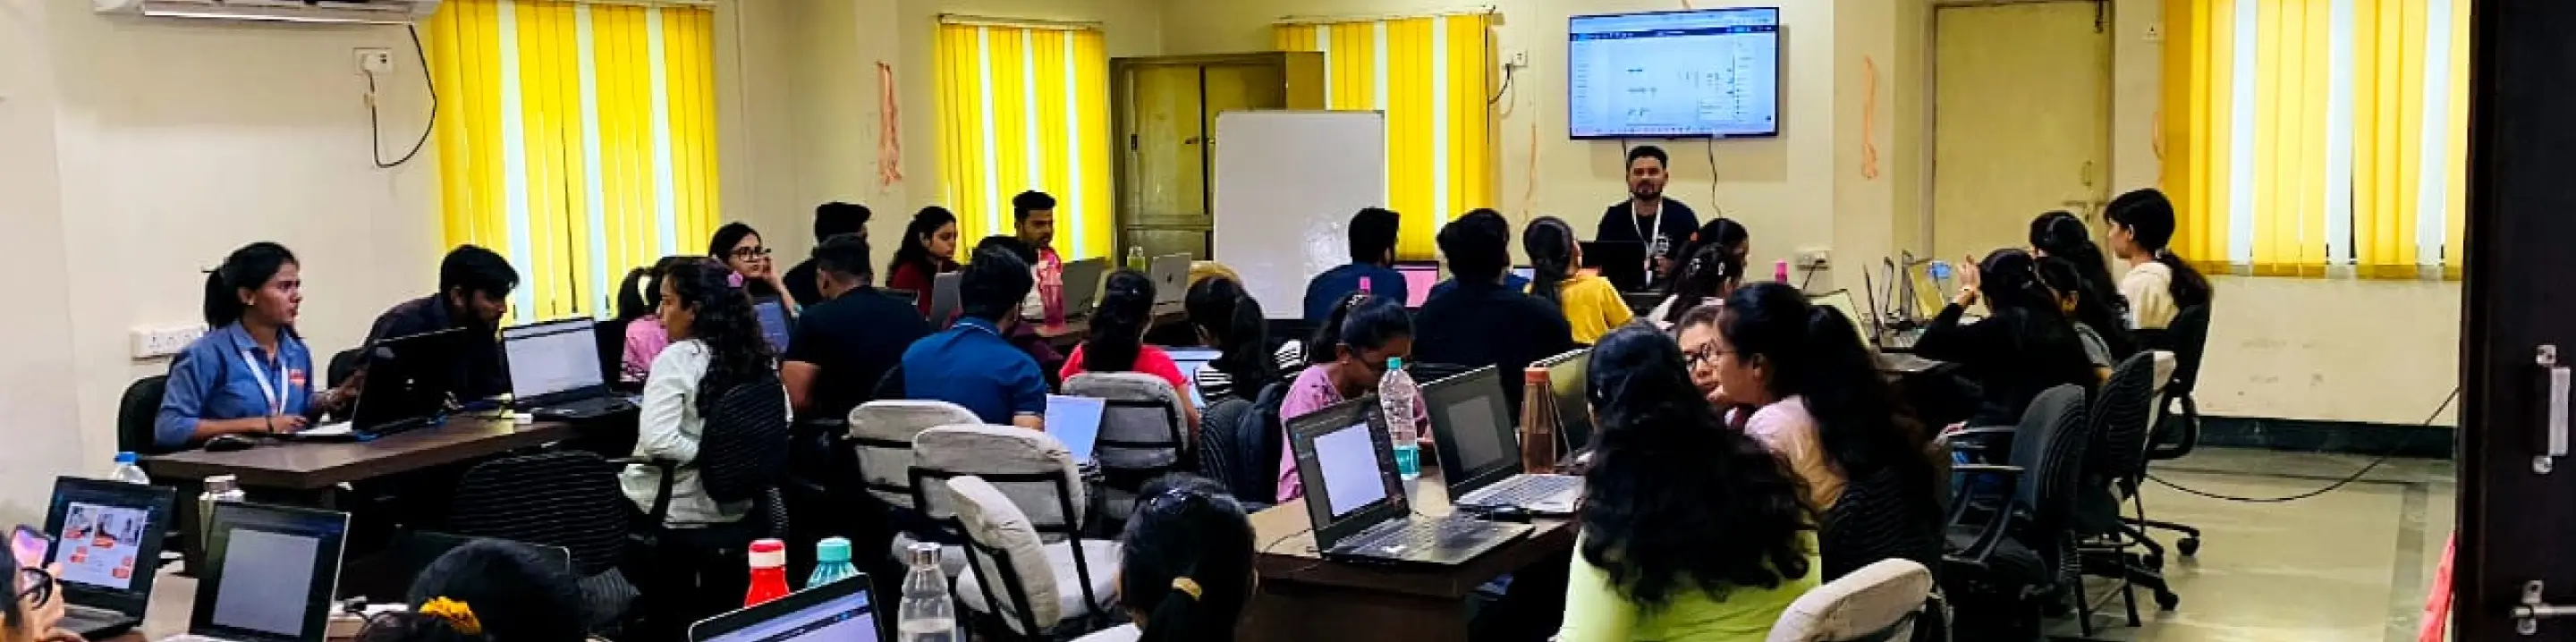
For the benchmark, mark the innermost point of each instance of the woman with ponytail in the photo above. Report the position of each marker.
(1707, 277)
(1185, 568)
(2022, 347)
(249, 374)
(2159, 284)
(1690, 531)
(1229, 320)
(1362, 338)
(1591, 304)
(2061, 236)
(1117, 340)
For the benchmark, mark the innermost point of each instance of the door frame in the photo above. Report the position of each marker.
(1925, 221)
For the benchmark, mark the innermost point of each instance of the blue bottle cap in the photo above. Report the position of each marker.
(1395, 363)
(126, 458)
(831, 550)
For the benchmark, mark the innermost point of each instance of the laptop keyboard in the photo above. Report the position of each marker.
(1525, 490)
(587, 407)
(88, 620)
(1423, 534)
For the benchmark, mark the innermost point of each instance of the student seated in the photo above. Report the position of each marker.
(847, 341)
(1799, 378)
(2066, 286)
(1512, 280)
(474, 287)
(1372, 238)
(1117, 340)
(1033, 220)
(1485, 322)
(1229, 320)
(1690, 531)
(645, 338)
(830, 220)
(2159, 284)
(1362, 335)
(717, 346)
(928, 249)
(251, 374)
(2022, 347)
(1711, 269)
(973, 363)
(1590, 303)
(741, 250)
(490, 590)
(2061, 236)
(1185, 569)
(33, 609)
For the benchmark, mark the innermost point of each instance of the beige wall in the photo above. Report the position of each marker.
(36, 360)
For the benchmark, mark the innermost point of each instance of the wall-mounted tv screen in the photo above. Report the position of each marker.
(1674, 74)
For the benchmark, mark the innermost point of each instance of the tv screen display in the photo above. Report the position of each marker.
(1674, 74)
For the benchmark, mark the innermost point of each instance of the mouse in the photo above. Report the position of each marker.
(229, 443)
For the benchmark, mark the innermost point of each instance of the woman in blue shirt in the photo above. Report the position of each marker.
(251, 373)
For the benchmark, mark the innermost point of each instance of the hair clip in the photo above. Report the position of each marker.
(734, 279)
(1187, 586)
(457, 614)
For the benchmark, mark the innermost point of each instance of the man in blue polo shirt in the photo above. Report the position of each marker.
(1373, 232)
(973, 363)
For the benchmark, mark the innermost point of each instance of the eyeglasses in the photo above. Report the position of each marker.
(39, 585)
(747, 253)
(1701, 355)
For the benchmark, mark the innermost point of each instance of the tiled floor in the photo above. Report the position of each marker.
(2347, 566)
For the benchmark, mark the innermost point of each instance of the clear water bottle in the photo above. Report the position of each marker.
(926, 615)
(831, 562)
(1136, 257)
(128, 471)
(1397, 398)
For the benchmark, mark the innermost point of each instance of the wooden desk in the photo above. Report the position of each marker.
(1305, 597)
(300, 466)
(1074, 329)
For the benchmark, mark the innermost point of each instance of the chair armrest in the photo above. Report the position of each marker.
(661, 499)
(1960, 503)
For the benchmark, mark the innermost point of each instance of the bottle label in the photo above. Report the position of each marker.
(1408, 460)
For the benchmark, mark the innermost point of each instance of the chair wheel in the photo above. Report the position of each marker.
(2167, 600)
(2154, 561)
(2189, 546)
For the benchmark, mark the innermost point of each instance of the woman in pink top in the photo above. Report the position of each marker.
(1797, 377)
(1362, 334)
(637, 297)
(1117, 342)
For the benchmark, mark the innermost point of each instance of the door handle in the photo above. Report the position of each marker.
(2086, 175)
(2554, 429)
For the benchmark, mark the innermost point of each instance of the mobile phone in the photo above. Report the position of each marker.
(30, 546)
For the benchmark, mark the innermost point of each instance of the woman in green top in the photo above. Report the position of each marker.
(1691, 532)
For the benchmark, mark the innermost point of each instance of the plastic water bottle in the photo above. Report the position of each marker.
(128, 471)
(1136, 257)
(1397, 397)
(768, 572)
(1780, 271)
(926, 614)
(831, 562)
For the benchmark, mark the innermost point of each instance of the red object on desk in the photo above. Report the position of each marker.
(768, 572)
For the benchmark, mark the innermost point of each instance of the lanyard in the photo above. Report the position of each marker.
(276, 403)
(1651, 250)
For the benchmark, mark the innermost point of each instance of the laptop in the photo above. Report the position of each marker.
(1082, 285)
(553, 371)
(1419, 278)
(1076, 422)
(1565, 377)
(1622, 262)
(835, 612)
(1171, 274)
(773, 324)
(406, 387)
(945, 299)
(1190, 360)
(1526, 273)
(1347, 470)
(1840, 301)
(108, 539)
(270, 574)
(1480, 449)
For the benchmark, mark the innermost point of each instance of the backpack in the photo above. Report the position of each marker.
(1244, 454)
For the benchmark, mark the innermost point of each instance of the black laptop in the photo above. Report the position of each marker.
(270, 576)
(1480, 449)
(407, 387)
(554, 372)
(1565, 378)
(107, 537)
(837, 612)
(1622, 262)
(1347, 469)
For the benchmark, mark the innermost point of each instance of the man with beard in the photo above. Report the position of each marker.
(1660, 224)
(474, 287)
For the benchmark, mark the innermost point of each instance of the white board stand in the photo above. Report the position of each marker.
(1287, 183)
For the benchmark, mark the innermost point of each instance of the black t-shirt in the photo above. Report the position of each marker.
(801, 285)
(1620, 223)
(853, 340)
(1486, 324)
(475, 370)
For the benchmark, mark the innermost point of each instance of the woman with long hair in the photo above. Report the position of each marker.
(2160, 284)
(1690, 531)
(1117, 340)
(645, 338)
(250, 373)
(1229, 320)
(2024, 345)
(716, 345)
(1185, 570)
(1706, 277)
(1812, 389)
(1591, 304)
(739, 247)
(2066, 284)
(2060, 235)
(1363, 338)
(929, 249)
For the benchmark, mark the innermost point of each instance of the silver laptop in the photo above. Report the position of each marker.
(1171, 274)
(270, 575)
(107, 538)
(1081, 289)
(554, 370)
(1480, 449)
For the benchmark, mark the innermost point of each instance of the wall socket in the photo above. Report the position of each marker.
(1814, 258)
(154, 343)
(375, 61)
(1518, 59)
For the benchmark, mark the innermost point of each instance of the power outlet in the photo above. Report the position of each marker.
(1815, 258)
(154, 343)
(1518, 59)
(375, 61)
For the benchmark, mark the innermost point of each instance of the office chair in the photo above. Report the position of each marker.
(2007, 558)
(696, 572)
(2178, 430)
(136, 413)
(2117, 467)
(343, 364)
(563, 498)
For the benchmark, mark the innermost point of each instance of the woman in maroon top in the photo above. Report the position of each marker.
(928, 242)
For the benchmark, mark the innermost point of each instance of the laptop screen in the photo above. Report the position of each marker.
(1476, 438)
(1573, 407)
(1418, 281)
(1190, 361)
(1076, 422)
(773, 324)
(1840, 301)
(551, 358)
(841, 614)
(108, 535)
(274, 571)
(1347, 457)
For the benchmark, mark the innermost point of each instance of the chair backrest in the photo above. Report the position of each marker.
(136, 413)
(1032, 468)
(566, 498)
(345, 363)
(1883, 515)
(1144, 426)
(744, 452)
(1217, 444)
(1251, 442)
(2049, 446)
(882, 432)
(1008, 558)
(890, 386)
(2120, 419)
(2188, 338)
(1879, 602)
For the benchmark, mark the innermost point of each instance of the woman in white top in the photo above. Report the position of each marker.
(716, 345)
(2159, 284)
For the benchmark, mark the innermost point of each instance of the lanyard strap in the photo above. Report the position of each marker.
(276, 403)
(1651, 250)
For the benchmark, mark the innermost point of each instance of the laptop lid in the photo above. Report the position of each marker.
(1347, 470)
(1622, 262)
(1171, 274)
(407, 378)
(553, 361)
(1525, 273)
(270, 573)
(1076, 422)
(944, 299)
(1419, 278)
(773, 324)
(1565, 374)
(1471, 422)
(1840, 301)
(1082, 281)
(835, 612)
(108, 540)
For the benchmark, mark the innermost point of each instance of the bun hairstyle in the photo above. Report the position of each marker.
(1814, 352)
(2150, 219)
(1119, 321)
(1361, 322)
(1550, 244)
(1186, 560)
(248, 268)
(488, 591)
(1220, 307)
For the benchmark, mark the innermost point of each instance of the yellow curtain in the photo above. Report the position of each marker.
(577, 139)
(2197, 105)
(1432, 77)
(1024, 108)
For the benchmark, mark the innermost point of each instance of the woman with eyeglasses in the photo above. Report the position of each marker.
(34, 612)
(739, 247)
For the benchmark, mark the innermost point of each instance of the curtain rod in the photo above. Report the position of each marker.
(1328, 19)
(1024, 23)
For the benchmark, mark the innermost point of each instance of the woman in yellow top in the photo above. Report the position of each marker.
(1691, 532)
(1591, 304)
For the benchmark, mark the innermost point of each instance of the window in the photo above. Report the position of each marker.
(1431, 75)
(577, 139)
(1025, 108)
(2307, 137)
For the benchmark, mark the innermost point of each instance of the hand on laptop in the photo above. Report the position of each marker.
(338, 398)
(283, 424)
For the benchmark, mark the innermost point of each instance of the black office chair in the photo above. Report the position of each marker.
(343, 365)
(2178, 431)
(563, 498)
(2007, 558)
(2117, 467)
(136, 414)
(1884, 515)
(1242, 452)
(693, 573)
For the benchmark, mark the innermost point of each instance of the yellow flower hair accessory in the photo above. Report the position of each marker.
(457, 614)
(1186, 585)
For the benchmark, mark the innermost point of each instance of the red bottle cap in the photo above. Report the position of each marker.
(768, 553)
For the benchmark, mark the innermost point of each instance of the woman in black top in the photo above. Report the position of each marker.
(2022, 347)
(2060, 235)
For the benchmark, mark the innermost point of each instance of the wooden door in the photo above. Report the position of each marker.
(2021, 121)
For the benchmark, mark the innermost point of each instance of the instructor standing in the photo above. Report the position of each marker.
(1661, 224)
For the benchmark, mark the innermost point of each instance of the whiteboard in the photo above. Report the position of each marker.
(1287, 183)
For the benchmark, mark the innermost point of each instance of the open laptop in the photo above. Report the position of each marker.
(1082, 285)
(945, 299)
(1840, 301)
(773, 324)
(1480, 449)
(1190, 360)
(108, 539)
(270, 575)
(1171, 274)
(406, 387)
(1565, 378)
(1419, 278)
(1347, 470)
(1076, 422)
(835, 612)
(553, 373)
(1622, 262)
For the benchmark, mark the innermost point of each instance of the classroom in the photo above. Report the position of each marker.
(509, 279)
